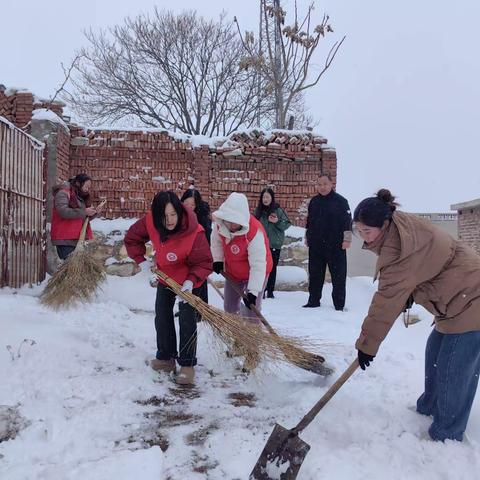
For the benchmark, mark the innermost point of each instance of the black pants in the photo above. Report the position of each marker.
(165, 327)
(63, 251)
(203, 294)
(273, 274)
(336, 259)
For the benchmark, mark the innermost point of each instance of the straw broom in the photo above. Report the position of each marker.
(293, 353)
(252, 340)
(77, 278)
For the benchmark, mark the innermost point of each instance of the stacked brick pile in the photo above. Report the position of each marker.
(129, 167)
(17, 106)
(5, 107)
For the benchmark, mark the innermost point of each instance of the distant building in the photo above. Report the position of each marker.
(469, 223)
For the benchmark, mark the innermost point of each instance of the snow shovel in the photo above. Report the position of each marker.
(285, 451)
(310, 361)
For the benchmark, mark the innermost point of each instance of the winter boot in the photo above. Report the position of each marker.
(310, 304)
(185, 376)
(165, 366)
(270, 295)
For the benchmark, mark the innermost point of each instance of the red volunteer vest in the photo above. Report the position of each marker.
(171, 256)
(67, 228)
(236, 252)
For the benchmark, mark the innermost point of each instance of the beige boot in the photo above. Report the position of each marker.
(185, 376)
(165, 366)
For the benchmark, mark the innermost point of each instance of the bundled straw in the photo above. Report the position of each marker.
(249, 338)
(294, 353)
(76, 280)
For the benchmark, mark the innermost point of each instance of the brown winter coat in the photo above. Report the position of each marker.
(416, 257)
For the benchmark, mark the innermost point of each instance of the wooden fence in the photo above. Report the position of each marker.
(22, 208)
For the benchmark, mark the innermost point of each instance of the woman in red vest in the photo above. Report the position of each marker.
(181, 252)
(240, 247)
(71, 205)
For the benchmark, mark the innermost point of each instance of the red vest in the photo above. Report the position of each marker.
(236, 252)
(171, 255)
(67, 228)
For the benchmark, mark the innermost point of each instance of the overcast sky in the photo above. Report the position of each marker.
(401, 103)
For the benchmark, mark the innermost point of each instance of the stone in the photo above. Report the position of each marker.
(122, 269)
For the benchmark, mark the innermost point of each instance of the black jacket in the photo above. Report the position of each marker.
(203, 217)
(328, 218)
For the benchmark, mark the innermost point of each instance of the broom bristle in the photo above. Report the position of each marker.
(252, 341)
(76, 280)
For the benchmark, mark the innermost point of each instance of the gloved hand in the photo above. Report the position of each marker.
(217, 267)
(364, 359)
(250, 300)
(187, 286)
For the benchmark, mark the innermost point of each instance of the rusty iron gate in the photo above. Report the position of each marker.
(22, 208)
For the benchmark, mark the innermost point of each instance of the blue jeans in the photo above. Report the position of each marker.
(452, 367)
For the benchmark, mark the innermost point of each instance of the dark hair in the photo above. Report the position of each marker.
(326, 174)
(79, 180)
(261, 208)
(373, 211)
(202, 208)
(159, 203)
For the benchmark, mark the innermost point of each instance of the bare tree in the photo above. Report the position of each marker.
(178, 72)
(283, 57)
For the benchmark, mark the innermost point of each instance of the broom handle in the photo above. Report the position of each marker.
(215, 288)
(307, 419)
(252, 306)
(83, 232)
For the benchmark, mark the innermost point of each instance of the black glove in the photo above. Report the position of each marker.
(250, 300)
(364, 359)
(217, 267)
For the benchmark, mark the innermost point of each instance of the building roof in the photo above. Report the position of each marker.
(471, 204)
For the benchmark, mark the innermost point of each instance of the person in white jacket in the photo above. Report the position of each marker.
(240, 246)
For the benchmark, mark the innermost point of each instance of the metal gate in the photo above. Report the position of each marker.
(22, 208)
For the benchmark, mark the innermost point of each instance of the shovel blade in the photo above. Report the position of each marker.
(282, 456)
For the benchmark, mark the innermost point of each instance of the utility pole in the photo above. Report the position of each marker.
(279, 117)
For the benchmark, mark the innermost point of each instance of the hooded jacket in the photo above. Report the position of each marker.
(235, 209)
(185, 255)
(416, 257)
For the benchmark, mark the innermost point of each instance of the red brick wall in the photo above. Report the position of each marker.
(469, 227)
(129, 167)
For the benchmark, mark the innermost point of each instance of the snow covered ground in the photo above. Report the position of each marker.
(98, 412)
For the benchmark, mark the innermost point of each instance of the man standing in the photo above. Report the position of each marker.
(328, 236)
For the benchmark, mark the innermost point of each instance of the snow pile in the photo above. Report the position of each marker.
(44, 114)
(97, 411)
(108, 227)
(295, 232)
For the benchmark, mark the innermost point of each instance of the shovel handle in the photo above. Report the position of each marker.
(308, 418)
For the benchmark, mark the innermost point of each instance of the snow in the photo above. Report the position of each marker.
(106, 227)
(295, 232)
(44, 114)
(95, 410)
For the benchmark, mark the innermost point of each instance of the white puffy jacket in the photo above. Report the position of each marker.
(235, 209)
